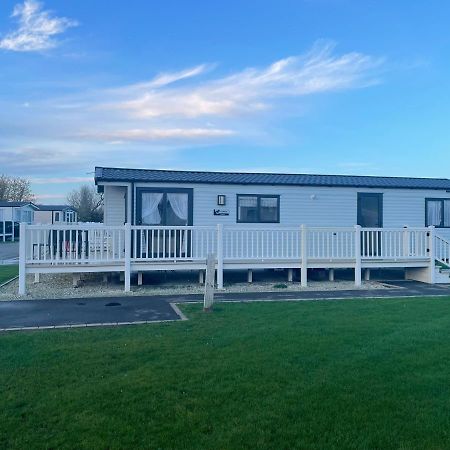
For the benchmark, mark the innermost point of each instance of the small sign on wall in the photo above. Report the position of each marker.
(221, 212)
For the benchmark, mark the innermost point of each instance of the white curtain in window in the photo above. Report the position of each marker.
(434, 213)
(446, 213)
(150, 212)
(268, 202)
(248, 202)
(179, 203)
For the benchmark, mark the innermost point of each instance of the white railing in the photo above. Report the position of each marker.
(73, 244)
(98, 245)
(172, 243)
(394, 243)
(82, 243)
(442, 250)
(251, 243)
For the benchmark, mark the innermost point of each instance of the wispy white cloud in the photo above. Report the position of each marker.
(36, 30)
(164, 79)
(151, 122)
(60, 180)
(49, 196)
(252, 89)
(157, 134)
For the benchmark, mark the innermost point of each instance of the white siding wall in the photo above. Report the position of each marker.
(43, 217)
(114, 207)
(7, 213)
(313, 206)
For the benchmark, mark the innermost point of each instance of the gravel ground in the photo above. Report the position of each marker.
(92, 285)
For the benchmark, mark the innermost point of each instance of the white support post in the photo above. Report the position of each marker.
(432, 248)
(22, 259)
(304, 254)
(331, 274)
(127, 257)
(13, 238)
(250, 276)
(405, 242)
(139, 278)
(208, 299)
(201, 277)
(219, 256)
(76, 280)
(290, 275)
(357, 255)
(37, 277)
(367, 275)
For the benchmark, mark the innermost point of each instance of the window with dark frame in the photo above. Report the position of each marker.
(437, 212)
(255, 208)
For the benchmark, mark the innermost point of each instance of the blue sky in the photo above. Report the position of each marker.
(317, 86)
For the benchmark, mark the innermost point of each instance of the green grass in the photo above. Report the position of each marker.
(313, 375)
(8, 272)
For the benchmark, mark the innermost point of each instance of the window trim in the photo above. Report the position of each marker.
(432, 199)
(258, 207)
(164, 191)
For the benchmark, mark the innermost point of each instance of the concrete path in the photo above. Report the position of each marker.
(9, 251)
(127, 310)
(84, 312)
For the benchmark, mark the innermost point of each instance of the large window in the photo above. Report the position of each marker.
(171, 207)
(258, 208)
(70, 216)
(437, 212)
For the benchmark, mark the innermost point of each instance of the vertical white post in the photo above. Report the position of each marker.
(219, 256)
(405, 242)
(139, 278)
(357, 255)
(4, 231)
(22, 259)
(208, 299)
(304, 253)
(431, 246)
(249, 276)
(13, 238)
(201, 277)
(367, 275)
(36, 277)
(331, 274)
(127, 257)
(290, 275)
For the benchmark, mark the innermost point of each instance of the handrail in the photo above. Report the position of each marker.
(442, 250)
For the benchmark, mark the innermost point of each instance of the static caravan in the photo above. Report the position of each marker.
(174, 198)
(13, 213)
(156, 220)
(55, 214)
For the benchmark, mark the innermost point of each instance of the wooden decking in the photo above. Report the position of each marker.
(98, 248)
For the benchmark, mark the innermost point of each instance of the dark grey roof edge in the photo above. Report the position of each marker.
(359, 181)
(54, 207)
(14, 204)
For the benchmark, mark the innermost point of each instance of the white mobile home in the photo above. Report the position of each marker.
(172, 220)
(55, 214)
(13, 213)
(173, 198)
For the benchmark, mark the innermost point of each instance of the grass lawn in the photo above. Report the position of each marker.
(8, 272)
(314, 375)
